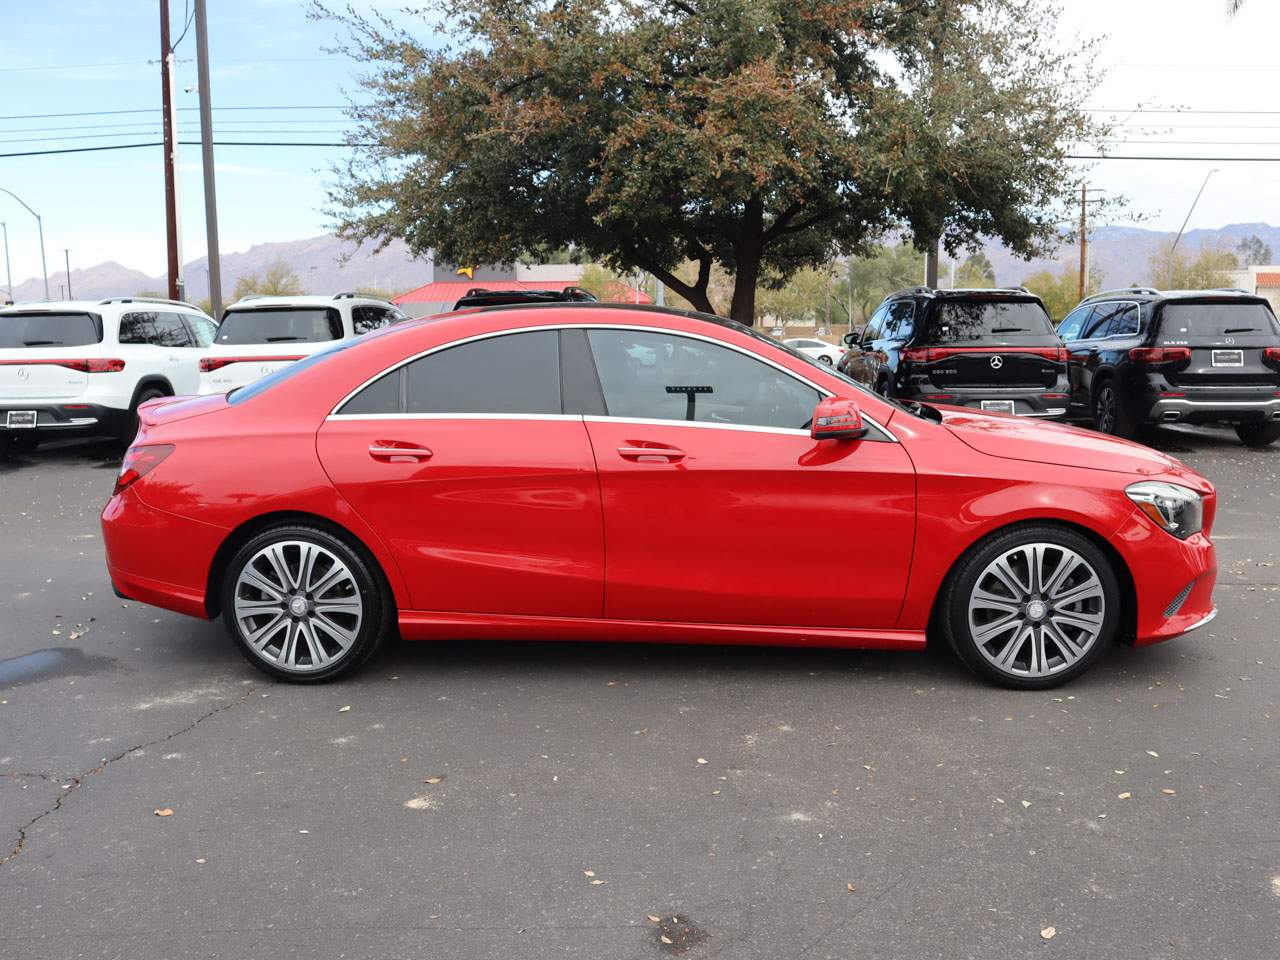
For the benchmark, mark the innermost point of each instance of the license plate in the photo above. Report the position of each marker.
(21, 420)
(1228, 358)
(997, 406)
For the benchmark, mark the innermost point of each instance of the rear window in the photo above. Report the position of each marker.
(19, 330)
(280, 325)
(263, 384)
(1017, 321)
(1247, 324)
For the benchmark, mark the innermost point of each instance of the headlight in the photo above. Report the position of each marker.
(1176, 509)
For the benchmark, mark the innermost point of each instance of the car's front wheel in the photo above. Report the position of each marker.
(303, 605)
(1258, 434)
(1032, 607)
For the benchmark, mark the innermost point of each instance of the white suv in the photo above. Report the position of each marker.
(259, 335)
(82, 367)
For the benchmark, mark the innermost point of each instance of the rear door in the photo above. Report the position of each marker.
(179, 352)
(1071, 331)
(39, 350)
(720, 508)
(482, 487)
(1228, 341)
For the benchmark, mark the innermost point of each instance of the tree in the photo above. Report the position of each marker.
(874, 277)
(759, 137)
(278, 280)
(1061, 291)
(1253, 251)
(804, 299)
(1206, 269)
(976, 271)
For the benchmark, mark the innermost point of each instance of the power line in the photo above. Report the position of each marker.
(1175, 110)
(149, 132)
(114, 113)
(184, 143)
(1118, 156)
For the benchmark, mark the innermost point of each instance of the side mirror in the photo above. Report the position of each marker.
(850, 338)
(836, 418)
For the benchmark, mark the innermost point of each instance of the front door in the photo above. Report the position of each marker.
(720, 508)
(484, 491)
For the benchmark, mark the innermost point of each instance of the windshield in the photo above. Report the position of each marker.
(43, 329)
(959, 321)
(280, 325)
(1247, 324)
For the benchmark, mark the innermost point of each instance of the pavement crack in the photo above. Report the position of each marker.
(73, 783)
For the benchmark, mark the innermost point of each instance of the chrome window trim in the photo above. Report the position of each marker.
(822, 391)
(1114, 336)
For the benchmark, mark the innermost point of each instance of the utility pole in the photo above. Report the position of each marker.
(206, 159)
(173, 237)
(1084, 235)
(8, 274)
(67, 253)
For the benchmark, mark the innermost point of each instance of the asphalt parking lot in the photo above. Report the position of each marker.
(533, 800)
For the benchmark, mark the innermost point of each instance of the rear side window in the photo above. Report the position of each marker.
(170, 331)
(512, 373)
(137, 328)
(901, 323)
(202, 329)
(384, 395)
(1125, 323)
(280, 325)
(41, 329)
(1246, 324)
(366, 319)
(959, 321)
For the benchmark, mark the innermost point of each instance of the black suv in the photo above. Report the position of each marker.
(993, 350)
(480, 297)
(1143, 356)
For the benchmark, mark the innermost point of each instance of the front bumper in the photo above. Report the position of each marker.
(1173, 579)
(63, 419)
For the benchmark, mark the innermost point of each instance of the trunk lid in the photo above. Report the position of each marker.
(1227, 340)
(994, 366)
(39, 350)
(224, 368)
(976, 340)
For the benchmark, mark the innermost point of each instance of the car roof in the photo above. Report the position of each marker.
(1151, 294)
(97, 306)
(305, 300)
(964, 293)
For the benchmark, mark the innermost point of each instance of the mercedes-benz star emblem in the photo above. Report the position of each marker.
(997, 363)
(23, 374)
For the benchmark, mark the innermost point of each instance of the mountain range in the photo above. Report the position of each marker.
(326, 264)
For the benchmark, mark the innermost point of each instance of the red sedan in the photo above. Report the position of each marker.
(600, 472)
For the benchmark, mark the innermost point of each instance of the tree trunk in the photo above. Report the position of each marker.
(747, 254)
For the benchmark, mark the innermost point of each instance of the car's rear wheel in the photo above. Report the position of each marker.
(303, 605)
(1032, 607)
(825, 358)
(1259, 434)
(1109, 414)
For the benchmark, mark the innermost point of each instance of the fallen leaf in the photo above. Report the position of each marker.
(715, 793)
(1152, 753)
(1124, 796)
(1049, 932)
(1168, 792)
(1026, 803)
(653, 918)
(345, 709)
(201, 860)
(849, 887)
(434, 780)
(702, 760)
(664, 938)
(588, 873)
(164, 812)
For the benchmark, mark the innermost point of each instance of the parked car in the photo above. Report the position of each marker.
(480, 297)
(1144, 356)
(259, 335)
(515, 473)
(817, 349)
(992, 350)
(77, 367)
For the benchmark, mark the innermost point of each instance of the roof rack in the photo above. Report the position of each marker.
(175, 303)
(1145, 291)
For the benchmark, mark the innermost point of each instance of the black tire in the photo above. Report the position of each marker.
(374, 623)
(824, 358)
(1109, 413)
(956, 619)
(1258, 434)
(130, 431)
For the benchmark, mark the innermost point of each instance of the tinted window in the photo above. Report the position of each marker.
(364, 319)
(170, 331)
(957, 321)
(901, 321)
(280, 325)
(1248, 324)
(1100, 321)
(663, 376)
(203, 329)
(875, 325)
(1070, 328)
(381, 396)
(1125, 323)
(513, 373)
(48, 330)
(137, 327)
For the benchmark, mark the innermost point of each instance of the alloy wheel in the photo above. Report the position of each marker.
(1036, 609)
(1107, 413)
(298, 606)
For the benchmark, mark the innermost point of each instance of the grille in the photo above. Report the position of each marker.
(1176, 603)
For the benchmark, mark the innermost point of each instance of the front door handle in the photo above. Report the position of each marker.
(398, 451)
(641, 453)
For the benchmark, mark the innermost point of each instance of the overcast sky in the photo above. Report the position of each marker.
(89, 57)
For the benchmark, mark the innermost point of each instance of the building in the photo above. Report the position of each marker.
(447, 285)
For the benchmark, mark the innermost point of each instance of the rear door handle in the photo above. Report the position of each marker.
(655, 454)
(398, 451)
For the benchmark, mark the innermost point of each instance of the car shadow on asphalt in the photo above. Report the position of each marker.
(100, 453)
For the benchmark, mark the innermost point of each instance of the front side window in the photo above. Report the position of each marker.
(1071, 327)
(875, 326)
(653, 375)
(512, 373)
(280, 325)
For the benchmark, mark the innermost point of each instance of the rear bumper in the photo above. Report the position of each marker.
(1025, 404)
(63, 419)
(1202, 408)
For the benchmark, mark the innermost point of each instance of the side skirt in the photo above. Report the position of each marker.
(426, 625)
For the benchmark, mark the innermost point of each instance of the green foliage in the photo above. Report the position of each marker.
(1252, 251)
(806, 298)
(1182, 269)
(874, 277)
(759, 137)
(976, 271)
(1061, 291)
(609, 286)
(278, 280)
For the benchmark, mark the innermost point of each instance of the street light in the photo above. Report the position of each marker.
(1188, 218)
(40, 227)
(8, 274)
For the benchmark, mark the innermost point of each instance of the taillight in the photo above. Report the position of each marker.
(91, 365)
(1271, 353)
(918, 354)
(210, 364)
(1160, 354)
(934, 354)
(139, 461)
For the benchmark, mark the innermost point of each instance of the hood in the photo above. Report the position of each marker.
(163, 410)
(1019, 438)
